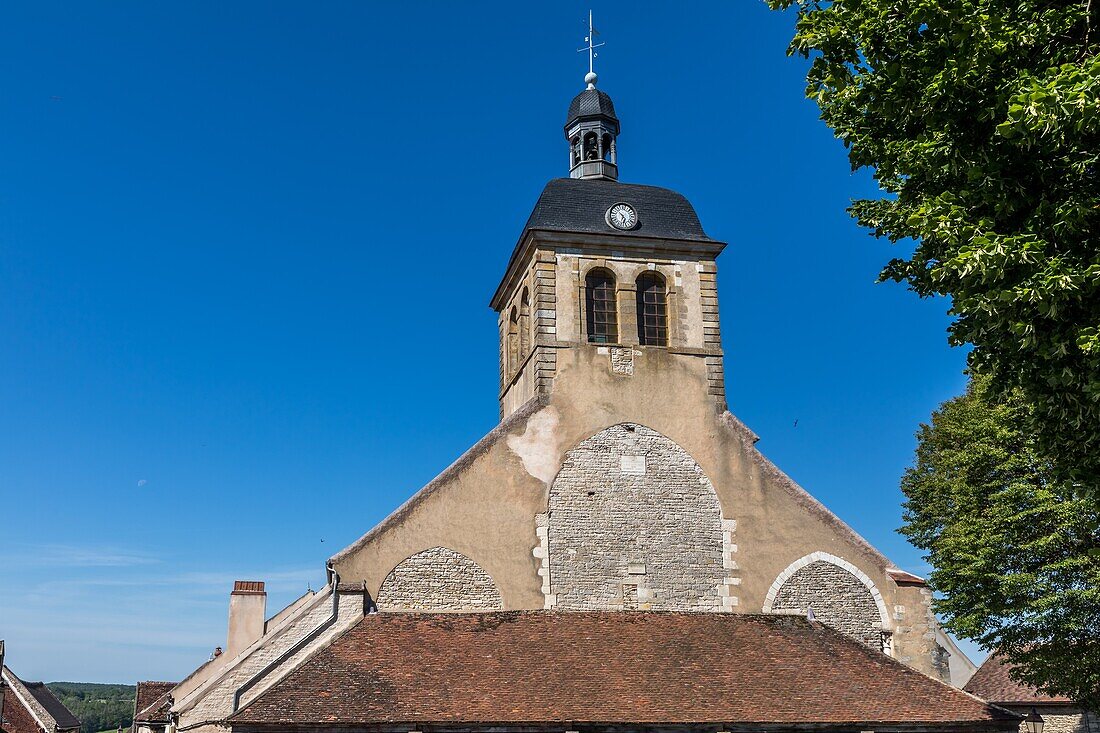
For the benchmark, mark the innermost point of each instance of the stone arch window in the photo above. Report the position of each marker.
(524, 324)
(634, 522)
(575, 150)
(839, 594)
(439, 579)
(652, 309)
(601, 307)
(606, 147)
(513, 340)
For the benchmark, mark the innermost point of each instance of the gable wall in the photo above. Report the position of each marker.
(492, 506)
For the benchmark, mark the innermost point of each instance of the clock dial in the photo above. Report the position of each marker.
(622, 216)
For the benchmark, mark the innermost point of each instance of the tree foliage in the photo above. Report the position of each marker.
(1014, 549)
(981, 121)
(99, 707)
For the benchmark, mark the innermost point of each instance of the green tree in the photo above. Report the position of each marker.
(98, 706)
(1014, 548)
(981, 122)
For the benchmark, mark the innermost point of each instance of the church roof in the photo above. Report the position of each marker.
(992, 682)
(547, 668)
(580, 205)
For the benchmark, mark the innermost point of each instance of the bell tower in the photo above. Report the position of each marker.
(611, 292)
(591, 129)
(591, 125)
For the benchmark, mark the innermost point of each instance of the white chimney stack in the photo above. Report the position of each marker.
(247, 614)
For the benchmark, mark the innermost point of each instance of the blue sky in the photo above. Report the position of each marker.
(233, 237)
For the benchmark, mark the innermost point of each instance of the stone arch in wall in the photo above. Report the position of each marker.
(633, 522)
(839, 594)
(438, 579)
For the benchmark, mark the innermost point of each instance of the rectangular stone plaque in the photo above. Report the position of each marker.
(633, 465)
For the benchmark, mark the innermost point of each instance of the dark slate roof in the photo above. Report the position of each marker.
(580, 205)
(590, 103)
(575, 205)
(550, 668)
(151, 701)
(992, 682)
(53, 706)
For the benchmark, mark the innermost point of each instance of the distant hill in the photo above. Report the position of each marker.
(99, 707)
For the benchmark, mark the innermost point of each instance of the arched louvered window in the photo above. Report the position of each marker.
(652, 310)
(599, 296)
(524, 324)
(591, 146)
(513, 342)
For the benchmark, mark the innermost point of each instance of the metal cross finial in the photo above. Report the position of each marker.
(590, 39)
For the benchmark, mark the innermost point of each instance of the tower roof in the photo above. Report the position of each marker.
(590, 103)
(575, 205)
(580, 206)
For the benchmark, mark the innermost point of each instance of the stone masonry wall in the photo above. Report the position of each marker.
(634, 523)
(439, 579)
(837, 598)
(1072, 723)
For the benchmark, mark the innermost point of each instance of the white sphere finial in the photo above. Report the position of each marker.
(590, 79)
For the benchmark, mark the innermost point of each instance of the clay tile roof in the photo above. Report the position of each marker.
(902, 577)
(151, 701)
(54, 707)
(992, 682)
(549, 668)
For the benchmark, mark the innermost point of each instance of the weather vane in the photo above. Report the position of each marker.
(590, 39)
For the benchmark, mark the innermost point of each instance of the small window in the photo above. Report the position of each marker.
(652, 310)
(603, 320)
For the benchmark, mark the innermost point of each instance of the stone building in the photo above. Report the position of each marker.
(619, 521)
(993, 683)
(30, 707)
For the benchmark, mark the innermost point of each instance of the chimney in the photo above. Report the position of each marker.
(247, 613)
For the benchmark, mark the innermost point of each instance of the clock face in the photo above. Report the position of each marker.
(622, 216)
